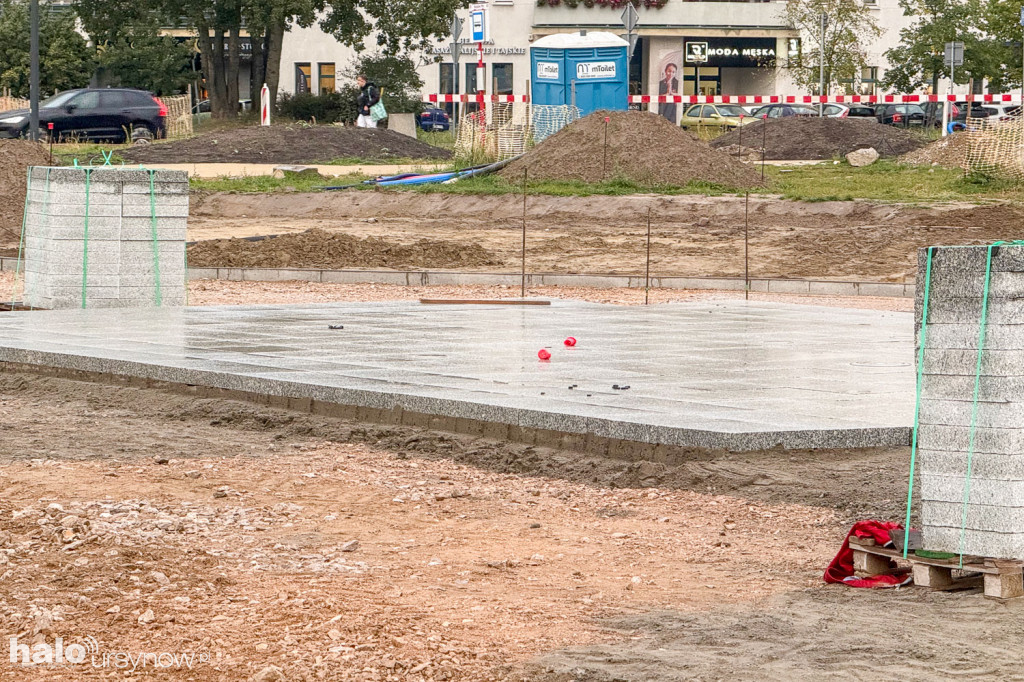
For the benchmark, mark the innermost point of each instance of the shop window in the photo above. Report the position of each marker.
(501, 76)
(326, 81)
(868, 80)
(471, 87)
(447, 81)
(303, 77)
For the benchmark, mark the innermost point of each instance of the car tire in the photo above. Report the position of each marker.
(141, 133)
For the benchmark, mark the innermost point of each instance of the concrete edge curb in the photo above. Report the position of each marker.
(602, 281)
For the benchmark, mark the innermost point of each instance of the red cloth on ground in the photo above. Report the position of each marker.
(841, 568)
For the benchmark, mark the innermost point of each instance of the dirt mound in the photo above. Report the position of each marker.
(287, 144)
(948, 152)
(643, 148)
(15, 157)
(820, 138)
(321, 249)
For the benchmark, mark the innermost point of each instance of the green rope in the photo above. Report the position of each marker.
(21, 242)
(917, 404)
(85, 236)
(156, 245)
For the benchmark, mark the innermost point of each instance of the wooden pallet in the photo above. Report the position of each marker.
(1001, 579)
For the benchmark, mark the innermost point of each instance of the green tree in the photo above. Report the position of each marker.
(142, 58)
(131, 50)
(396, 76)
(850, 27)
(65, 60)
(919, 58)
(1001, 20)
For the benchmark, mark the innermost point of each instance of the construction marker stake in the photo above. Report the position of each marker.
(570, 342)
(543, 354)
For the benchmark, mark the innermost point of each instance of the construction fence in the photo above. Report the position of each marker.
(501, 130)
(8, 103)
(995, 147)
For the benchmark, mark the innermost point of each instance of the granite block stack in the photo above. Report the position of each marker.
(985, 514)
(105, 237)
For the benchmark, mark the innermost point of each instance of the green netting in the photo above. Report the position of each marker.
(85, 236)
(973, 426)
(156, 245)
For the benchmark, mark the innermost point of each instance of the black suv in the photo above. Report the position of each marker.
(119, 114)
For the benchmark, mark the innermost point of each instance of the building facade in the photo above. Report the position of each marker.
(739, 47)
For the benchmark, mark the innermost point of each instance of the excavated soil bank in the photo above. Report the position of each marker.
(318, 248)
(948, 152)
(641, 147)
(15, 157)
(820, 138)
(287, 144)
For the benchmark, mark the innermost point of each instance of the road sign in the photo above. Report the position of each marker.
(954, 54)
(632, 39)
(630, 17)
(456, 28)
(456, 53)
(478, 22)
(1022, 16)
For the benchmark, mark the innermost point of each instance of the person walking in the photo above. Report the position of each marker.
(368, 96)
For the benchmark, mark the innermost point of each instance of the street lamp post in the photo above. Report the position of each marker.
(33, 79)
(821, 66)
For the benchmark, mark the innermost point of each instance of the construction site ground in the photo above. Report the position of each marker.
(289, 546)
(155, 521)
(697, 236)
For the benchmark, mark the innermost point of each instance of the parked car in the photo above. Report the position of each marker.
(1004, 112)
(849, 111)
(905, 115)
(784, 110)
(723, 115)
(434, 119)
(96, 114)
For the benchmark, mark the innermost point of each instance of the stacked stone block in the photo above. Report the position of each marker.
(115, 239)
(991, 523)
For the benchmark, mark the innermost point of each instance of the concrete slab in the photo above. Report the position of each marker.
(723, 374)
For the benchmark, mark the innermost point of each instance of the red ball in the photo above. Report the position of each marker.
(571, 341)
(543, 354)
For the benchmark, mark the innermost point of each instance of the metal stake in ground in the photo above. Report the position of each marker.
(739, 147)
(764, 142)
(522, 293)
(604, 163)
(746, 246)
(647, 276)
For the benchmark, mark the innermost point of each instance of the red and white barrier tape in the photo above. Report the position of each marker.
(479, 97)
(817, 99)
(752, 99)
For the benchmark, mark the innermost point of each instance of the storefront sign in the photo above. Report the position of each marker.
(471, 49)
(595, 70)
(748, 52)
(547, 71)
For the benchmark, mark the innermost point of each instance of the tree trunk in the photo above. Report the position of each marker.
(208, 58)
(258, 72)
(275, 40)
(219, 102)
(234, 59)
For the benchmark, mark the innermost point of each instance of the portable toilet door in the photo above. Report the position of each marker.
(598, 76)
(548, 83)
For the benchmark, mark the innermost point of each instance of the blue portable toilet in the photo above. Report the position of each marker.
(591, 63)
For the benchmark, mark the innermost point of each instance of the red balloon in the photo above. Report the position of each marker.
(543, 354)
(571, 341)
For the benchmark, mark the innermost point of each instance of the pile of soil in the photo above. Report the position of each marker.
(798, 138)
(642, 148)
(948, 152)
(287, 144)
(321, 249)
(15, 157)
